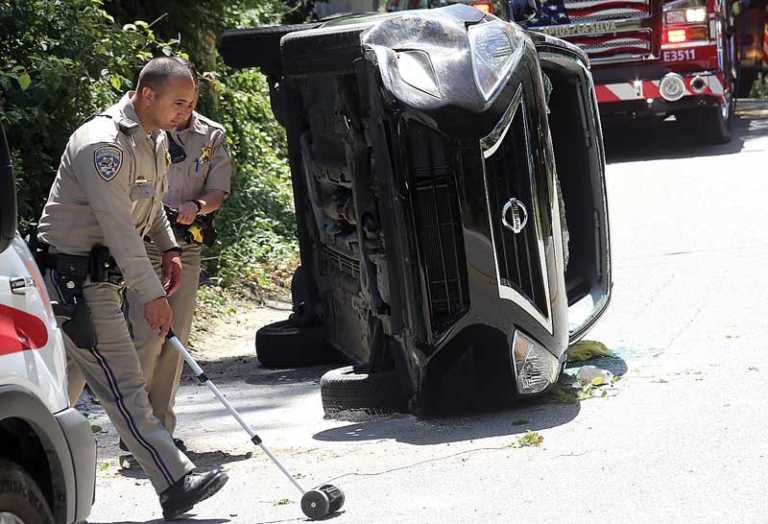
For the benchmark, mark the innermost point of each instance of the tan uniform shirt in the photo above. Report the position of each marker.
(207, 166)
(108, 191)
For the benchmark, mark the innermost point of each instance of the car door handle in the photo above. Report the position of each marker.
(20, 285)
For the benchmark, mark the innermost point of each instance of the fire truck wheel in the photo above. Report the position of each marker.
(20, 498)
(744, 83)
(716, 124)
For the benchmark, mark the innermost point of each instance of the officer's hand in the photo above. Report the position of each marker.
(159, 315)
(171, 272)
(187, 213)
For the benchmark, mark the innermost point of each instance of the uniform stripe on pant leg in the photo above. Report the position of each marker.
(126, 415)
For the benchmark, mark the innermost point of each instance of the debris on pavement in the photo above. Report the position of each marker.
(587, 350)
(529, 439)
(593, 375)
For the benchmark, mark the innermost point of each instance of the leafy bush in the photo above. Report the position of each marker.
(62, 62)
(65, 61)
(257, 223)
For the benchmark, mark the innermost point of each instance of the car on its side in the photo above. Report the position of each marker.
(47, 449)
(449, 182)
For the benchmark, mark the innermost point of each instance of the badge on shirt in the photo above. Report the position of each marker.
(205, 154)
(108, 161)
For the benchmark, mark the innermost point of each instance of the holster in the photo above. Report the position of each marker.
(70, 273)
(201, 231)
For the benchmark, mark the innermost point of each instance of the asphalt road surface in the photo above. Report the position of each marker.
(682, 437)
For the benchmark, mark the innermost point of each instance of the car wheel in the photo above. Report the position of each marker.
(21, 501)
(344, 388)
(237, 47)
(340, 49)
(287, 345)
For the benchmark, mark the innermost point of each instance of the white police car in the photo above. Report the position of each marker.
(47, 450)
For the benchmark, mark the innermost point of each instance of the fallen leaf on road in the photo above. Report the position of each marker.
(530, 439)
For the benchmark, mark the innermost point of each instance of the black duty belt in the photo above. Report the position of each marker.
(100, 266)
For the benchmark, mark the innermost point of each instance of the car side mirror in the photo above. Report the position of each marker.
(8, 207)
(522, 10)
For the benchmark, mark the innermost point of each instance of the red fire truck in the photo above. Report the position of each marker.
(652, 59)
(655, 59)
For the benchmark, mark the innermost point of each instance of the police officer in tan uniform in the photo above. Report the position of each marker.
(198, 183)
(105, 198)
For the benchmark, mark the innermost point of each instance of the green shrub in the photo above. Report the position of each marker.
(62, 62)
(65, 61)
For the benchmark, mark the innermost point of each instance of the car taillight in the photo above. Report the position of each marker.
(678, 35)
(486, 6)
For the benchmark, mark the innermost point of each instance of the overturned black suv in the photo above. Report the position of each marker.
(448, 177)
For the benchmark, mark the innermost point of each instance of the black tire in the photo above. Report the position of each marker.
(299, 290)
(20, 495)
(709, 124)
(286, 345)
(715, 127)
(744, 83)
(343, 388)
(323, 52)
(257, 47)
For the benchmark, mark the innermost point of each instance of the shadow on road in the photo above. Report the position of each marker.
(666, 140)
(204, 461)
(558, 408)
(650, 140)
(250, 370)
(181, 520)
(278, 377)
(529, 415)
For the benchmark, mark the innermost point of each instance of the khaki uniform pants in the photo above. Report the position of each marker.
(160, 362)
(113, 373)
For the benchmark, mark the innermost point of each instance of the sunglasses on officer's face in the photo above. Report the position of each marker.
(176, 152)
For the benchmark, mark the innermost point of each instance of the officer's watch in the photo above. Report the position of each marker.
(198, 205)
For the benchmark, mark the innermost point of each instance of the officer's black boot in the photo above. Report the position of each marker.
(190, 489)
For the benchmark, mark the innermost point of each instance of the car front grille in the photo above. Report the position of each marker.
(508, 175)
(438, 225)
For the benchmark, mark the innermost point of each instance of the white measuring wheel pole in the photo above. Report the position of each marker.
(203, 378)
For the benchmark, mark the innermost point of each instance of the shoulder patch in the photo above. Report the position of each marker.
(108, 160)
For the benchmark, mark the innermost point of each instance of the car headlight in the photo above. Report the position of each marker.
(416, 70)
(535, 367)
(496, 47)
